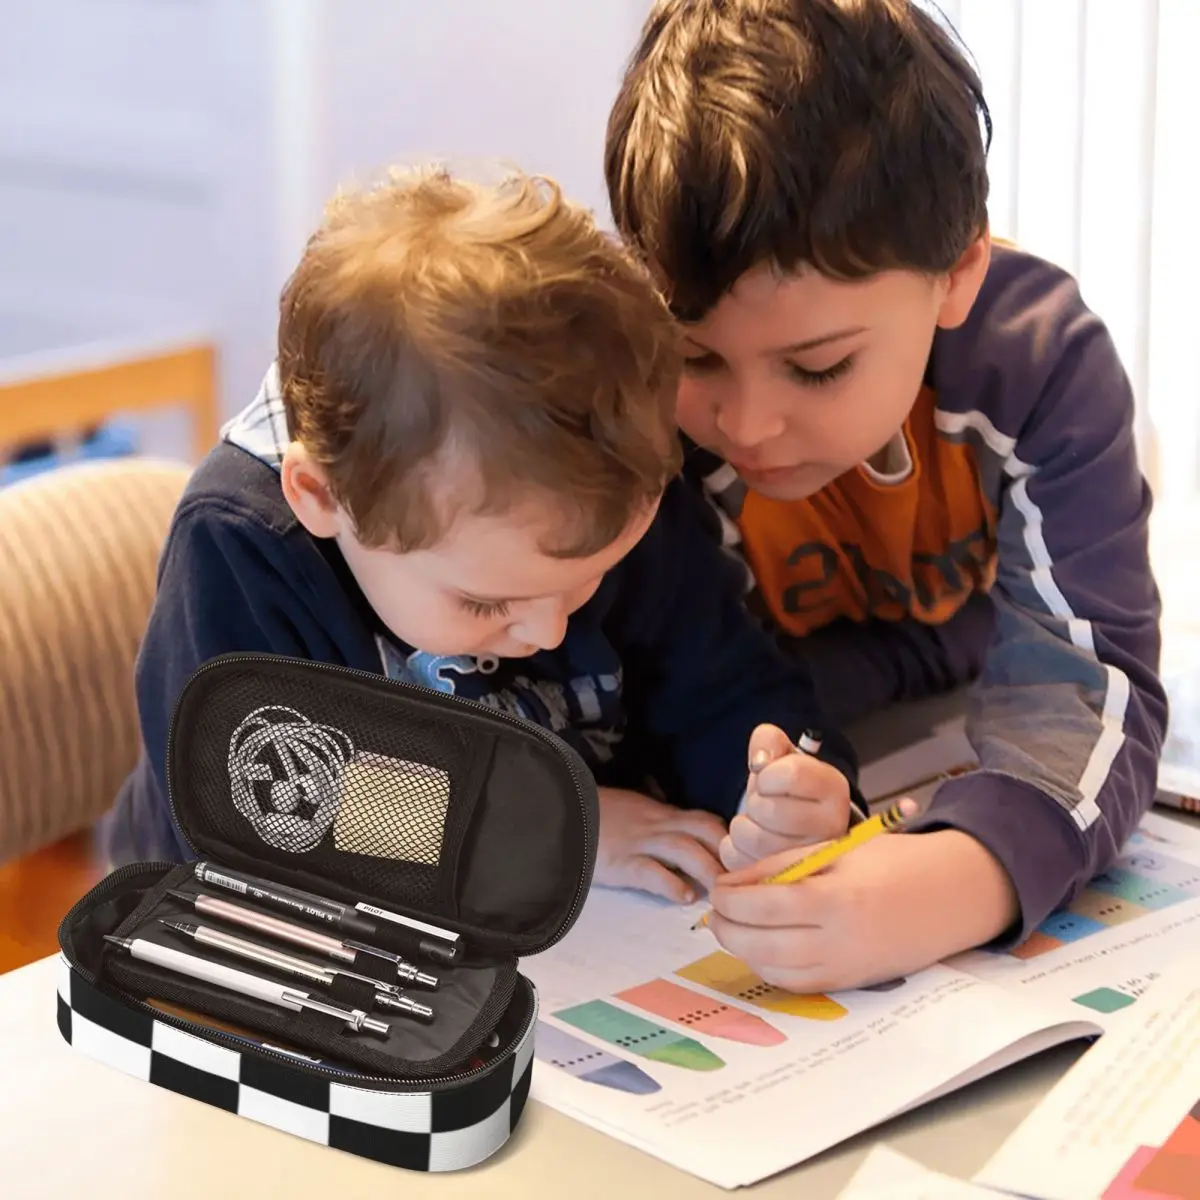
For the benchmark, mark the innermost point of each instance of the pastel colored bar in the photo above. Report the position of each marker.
(1035, 945)
(589, 1063)
(1108, 910)
(1069, 926)
(1138, 889)
(1152, 864)
(731, 977)
(673, 1002)
(633, 1033)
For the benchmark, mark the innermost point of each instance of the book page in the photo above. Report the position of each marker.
(1124, 1122)
(1110, 943)
(887, 1175)
(653, 1034)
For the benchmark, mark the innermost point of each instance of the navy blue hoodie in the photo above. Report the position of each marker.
(662, 674)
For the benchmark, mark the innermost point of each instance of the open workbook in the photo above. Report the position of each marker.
(651, 1033)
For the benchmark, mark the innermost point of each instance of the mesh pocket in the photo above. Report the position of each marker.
(375, 791)
(392, 807)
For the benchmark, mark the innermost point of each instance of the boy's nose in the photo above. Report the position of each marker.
(746, 421)
(543, 624)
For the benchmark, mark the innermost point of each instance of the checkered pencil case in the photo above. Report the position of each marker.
(458, 837)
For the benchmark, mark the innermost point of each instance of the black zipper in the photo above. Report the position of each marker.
(426, 695)
(234, 1041)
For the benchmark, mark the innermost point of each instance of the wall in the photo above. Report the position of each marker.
(162, 161)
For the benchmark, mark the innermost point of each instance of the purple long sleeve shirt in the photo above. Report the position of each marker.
(1018, 476)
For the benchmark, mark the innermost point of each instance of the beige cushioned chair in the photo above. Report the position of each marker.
(79, 549)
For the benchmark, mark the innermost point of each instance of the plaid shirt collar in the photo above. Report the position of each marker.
(261, 428)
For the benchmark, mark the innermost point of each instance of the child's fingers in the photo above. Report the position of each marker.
(732, 859)
(819, 976)
(798, 818)
(706, 828)
(648, 875)
(770, 951)
(767, 743)
(772, 905)
(763, 867)
(684, 854)
(801, 775)
(753, 842)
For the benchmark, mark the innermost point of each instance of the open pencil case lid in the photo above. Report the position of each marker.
(360, 787)
(369, 791)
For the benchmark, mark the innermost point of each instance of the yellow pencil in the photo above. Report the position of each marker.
(886, 822)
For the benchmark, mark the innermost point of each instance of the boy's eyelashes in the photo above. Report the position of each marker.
(826, 375)
(484, 608)
(702, 364)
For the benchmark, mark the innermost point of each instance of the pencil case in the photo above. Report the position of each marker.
(392, 798)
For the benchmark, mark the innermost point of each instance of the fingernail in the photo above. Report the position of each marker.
(689, 897)
(760, 760)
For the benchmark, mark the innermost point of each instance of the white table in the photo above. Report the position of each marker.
(70, 1126)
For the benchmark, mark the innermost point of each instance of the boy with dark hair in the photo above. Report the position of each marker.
(461, 472)
(922, 442)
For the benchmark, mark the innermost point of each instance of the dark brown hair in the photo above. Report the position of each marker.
(845, 134)
(445, 345)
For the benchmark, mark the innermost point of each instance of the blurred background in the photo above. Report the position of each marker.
(162, 162)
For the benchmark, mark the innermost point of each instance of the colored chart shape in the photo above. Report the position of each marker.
(1124, 1187)
(1151, 864)
(630, 1032)
(1105, 1000)
(1167, 1172)
(1144, 880)
(585, 1061)
(1186, 1138)
(1070, 926)
(1036, 943)
(672, 1002)
(731, 977)
(1106, 909)
(1147, 891)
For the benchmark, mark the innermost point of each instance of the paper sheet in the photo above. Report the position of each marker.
(654, 1035)
(651, 1033)
(1124, 1122)
(887, 1175)
(1110, 943)
(1113, 940)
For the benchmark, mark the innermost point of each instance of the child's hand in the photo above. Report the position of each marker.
(893, 906)
(792, 800)
(656, 847)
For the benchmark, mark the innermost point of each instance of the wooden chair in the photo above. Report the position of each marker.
(47, 395)
(79, 549)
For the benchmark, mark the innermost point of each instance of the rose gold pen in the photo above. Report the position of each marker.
(339, 950)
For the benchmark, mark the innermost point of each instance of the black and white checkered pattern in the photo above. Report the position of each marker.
(421, 1131)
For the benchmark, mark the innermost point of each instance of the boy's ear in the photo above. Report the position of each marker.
(964, 281)
(306, 489)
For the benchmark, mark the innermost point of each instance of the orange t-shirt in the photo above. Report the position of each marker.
(863, 548)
